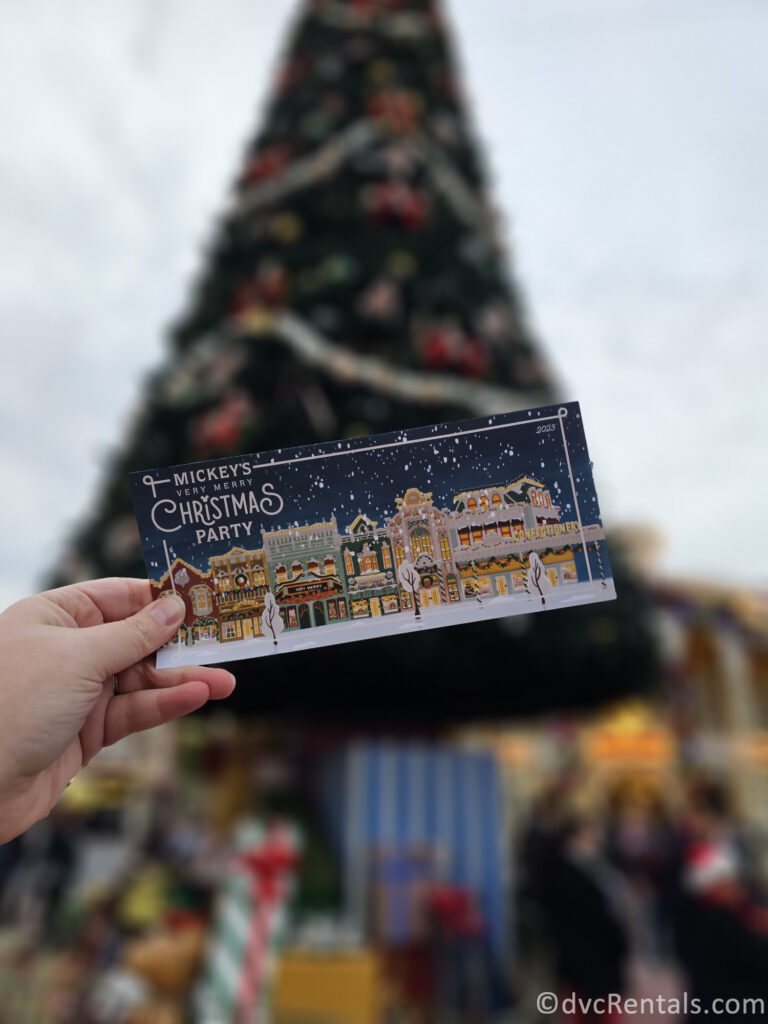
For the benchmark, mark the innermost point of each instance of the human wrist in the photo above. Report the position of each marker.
(22, 804)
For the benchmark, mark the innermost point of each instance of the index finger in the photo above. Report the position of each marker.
(107, 600)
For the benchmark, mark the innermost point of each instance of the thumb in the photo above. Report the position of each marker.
(116, 645)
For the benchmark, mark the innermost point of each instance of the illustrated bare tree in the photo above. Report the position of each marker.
(536, 581)
(476, 583)
(271, 621)
(409, 578)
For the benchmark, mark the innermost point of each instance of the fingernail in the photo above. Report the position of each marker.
(168, 610)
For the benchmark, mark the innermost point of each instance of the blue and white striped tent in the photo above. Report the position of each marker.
(405, 795)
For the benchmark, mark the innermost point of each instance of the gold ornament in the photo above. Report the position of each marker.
(401, 263)
(286, 227)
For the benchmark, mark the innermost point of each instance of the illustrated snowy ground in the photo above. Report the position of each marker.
(387, 625)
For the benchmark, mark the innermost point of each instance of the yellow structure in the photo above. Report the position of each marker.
(317, 988)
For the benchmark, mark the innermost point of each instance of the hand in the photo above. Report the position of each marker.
(59, 702)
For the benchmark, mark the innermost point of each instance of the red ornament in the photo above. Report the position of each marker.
(245, 298)
(290, 73)
(369, 8)
(413, 210)
(397, 201)
(474, 360)
(398, 109)
(219, 431)
(436, 350)
(445, 347)
(268, 290)
(270, 163)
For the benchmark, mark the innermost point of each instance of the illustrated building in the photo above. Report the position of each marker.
(369, 568)
(200, 623)
(420, 533)
(304, 574)
(240, 581)
(319, 577)
(493, 528)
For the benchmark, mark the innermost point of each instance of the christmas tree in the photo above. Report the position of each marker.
(356, 284)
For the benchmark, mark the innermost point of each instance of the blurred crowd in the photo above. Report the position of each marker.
(643, 901)
(635, 896)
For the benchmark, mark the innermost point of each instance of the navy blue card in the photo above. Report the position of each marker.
(371, 536)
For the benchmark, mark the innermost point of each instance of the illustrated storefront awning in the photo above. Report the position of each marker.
(376, 581)
(308, 587)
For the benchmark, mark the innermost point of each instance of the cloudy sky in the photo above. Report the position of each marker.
(629, 144)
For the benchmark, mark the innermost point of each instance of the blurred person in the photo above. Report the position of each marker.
(722, 935)
(10, 855)
(535, 858)
(39, 884)
(463, 965)
(640, 843)
(586, 910)
(709, 816)
(540, 840)
(77, 674)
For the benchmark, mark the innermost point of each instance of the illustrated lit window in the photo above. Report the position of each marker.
(547, 499)
(296, 567)
(349, 564)
(312, 565)
(281, 573)
(496, 500)
(367, 562)
(202, 603)
(399, 553)
(445, 547)
(329, 565)
(483, 502)
(506, 529)
(258, 577)
(464, 538)
(472, 504)
(477, 534)
(422, 545)
(386, 556)
(342, 608)
(230, 631)
(292, 618)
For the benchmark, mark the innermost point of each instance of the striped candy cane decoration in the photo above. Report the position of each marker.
(248, 926)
